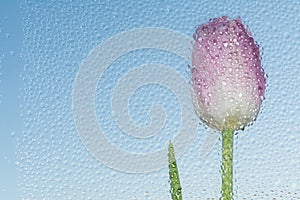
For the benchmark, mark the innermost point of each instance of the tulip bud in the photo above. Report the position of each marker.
(228, 81)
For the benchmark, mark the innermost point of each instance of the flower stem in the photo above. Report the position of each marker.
(174, 175)
(227, 169)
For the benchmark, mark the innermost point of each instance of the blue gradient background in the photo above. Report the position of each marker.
(11, 66)
(41, 47)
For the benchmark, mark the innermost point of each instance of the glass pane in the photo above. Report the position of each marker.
(91, 93)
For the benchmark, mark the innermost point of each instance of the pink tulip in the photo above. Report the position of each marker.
(227, 76)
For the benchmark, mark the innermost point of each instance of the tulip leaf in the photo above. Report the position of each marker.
(174, 175)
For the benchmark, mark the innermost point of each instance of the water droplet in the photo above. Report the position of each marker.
(225, 44)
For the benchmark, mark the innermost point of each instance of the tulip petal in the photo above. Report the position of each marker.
(228, 79)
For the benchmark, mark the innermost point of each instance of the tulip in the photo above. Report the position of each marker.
(228, 83)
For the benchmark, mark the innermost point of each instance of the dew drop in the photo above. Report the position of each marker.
(225, 44)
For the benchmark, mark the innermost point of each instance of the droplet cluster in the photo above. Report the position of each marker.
(53, 163)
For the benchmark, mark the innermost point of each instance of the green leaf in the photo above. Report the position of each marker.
(174, 175)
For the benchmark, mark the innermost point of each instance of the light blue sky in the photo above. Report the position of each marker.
(42, 45)
(11, 65)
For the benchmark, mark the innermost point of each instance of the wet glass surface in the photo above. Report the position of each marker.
(91, 93)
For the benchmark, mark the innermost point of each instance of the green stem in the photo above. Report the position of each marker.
(174, 175)
(227, 169)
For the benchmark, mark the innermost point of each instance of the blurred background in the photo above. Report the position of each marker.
(42, 46)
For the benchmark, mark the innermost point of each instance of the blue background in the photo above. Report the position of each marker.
(41, 47)
(11, 124)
